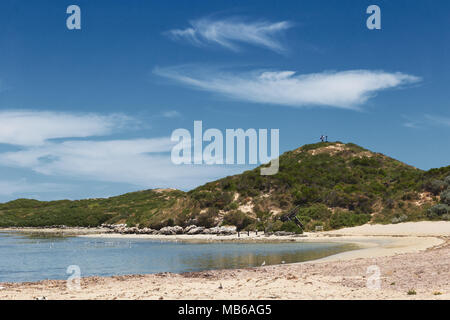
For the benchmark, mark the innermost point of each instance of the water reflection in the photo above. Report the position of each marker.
(33, 257)
(269, 256)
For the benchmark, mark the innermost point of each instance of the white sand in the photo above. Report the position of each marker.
(423, 228)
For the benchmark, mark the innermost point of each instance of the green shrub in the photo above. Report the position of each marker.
(207, 219)
(447, 181)
(342, 219)
(445, 196)
(338, 199)
(304, 219)
(290, 226)
(411, 292)
(274, 226)
(238, 219)
(438, 210)
(389, 203)
(316, 212)
(435, 186)
(234, 205)
(410, 196)
(263, 219)
(399, 219)
(306, 194)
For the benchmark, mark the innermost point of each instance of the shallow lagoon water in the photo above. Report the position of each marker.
(26, 257)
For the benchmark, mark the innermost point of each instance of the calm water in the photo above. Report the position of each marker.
(33, 257)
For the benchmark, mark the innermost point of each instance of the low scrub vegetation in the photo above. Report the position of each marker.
(441, 211)
(334, 185)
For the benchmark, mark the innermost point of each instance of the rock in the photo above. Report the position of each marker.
(206, 231)
(167, 231)
(196, 230)
(171, 230)
(132, 230)
(189, 228)
(122, 229)
(178, 229)
(283, 233)
(143, 231)
(228, 230)
(224, 230)
(214, 230)
(148, 231)
(113, 226)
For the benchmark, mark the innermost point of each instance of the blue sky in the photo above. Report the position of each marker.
(89, 113)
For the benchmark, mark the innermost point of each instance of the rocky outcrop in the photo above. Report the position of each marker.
(224, 230)
(123, 229)
(171, 230)
(192, 229)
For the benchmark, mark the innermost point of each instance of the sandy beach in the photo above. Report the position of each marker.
(412, 259)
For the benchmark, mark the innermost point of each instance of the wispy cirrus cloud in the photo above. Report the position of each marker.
(23, 186)
(29, 128)
(171, 114)
(438, 120)
(343, 89)
(141, 162)
(231, 32)
(426, 120)
(46, 146)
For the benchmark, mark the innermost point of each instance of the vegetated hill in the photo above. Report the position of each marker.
(334, 184)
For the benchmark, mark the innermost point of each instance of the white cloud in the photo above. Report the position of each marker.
(12, 187)
(31, 128)
(438, 120)
(344, 89)
(426, 120)
(141, 162)
(228, 32)
(410, 124)
(171, 114)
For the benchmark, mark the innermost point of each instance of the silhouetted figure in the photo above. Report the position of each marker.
(326, 138)
(321, 138)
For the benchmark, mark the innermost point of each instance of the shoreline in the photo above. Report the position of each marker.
(411, 256)
(372, 240)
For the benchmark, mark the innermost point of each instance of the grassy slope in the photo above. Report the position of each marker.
(335, 184)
